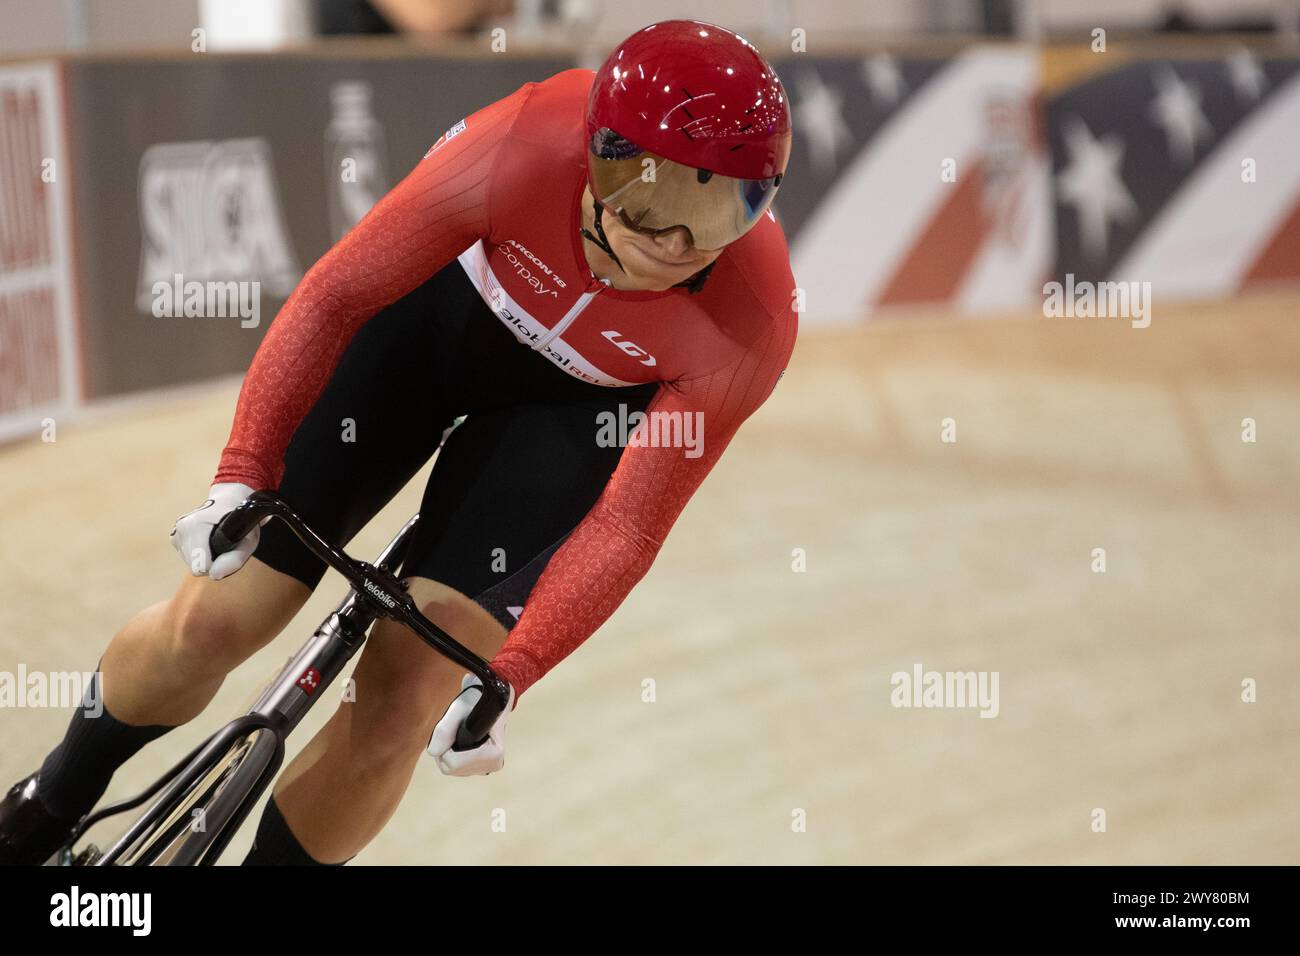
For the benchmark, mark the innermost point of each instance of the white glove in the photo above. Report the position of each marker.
(487, 756)
(192, 535)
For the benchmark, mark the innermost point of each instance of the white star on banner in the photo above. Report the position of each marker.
(1247, 76)
(821, 120)
(883, 78)
(1093, 185)
(1177, 108)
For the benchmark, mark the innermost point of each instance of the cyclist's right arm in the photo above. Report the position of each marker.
(441, 208)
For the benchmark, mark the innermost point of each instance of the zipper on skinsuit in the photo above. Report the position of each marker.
(571, 316)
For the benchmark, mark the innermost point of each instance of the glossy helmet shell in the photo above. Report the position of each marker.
(696, 94)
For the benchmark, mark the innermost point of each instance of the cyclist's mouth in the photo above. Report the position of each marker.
(665, 263)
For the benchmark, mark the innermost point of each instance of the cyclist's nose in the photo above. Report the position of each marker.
(676, 242)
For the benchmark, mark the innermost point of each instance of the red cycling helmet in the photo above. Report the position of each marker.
(687, 126)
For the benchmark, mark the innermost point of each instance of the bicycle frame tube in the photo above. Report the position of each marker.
(315, 666)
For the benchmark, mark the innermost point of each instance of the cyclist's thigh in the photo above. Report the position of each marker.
(507, 489)
(379, 419)
(206, 628)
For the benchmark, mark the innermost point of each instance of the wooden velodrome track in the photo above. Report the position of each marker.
(1119, 691)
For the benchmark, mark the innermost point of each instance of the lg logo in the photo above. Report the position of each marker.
(631, 348)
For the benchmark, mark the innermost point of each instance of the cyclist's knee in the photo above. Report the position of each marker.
(395, 707)
(216, 626)
(205, 632)
(394, 738)
(402, 688)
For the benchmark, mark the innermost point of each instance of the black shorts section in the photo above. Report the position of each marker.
(512, 480)
(373, 427)
(507, 489)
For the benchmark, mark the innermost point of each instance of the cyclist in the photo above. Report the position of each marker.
(589, 247)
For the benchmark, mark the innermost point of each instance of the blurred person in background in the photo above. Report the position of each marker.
(420, 17)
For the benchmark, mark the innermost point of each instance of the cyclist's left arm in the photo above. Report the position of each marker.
(615, 544)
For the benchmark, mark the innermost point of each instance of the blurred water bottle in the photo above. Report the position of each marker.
(355, 157)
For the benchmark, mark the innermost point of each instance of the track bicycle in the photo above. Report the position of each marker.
(195, 809)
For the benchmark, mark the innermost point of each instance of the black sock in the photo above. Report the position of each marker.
(77, 772)
(275, 844)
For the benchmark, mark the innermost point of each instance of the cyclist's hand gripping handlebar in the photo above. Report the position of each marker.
(379, 589)
(232, 529)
